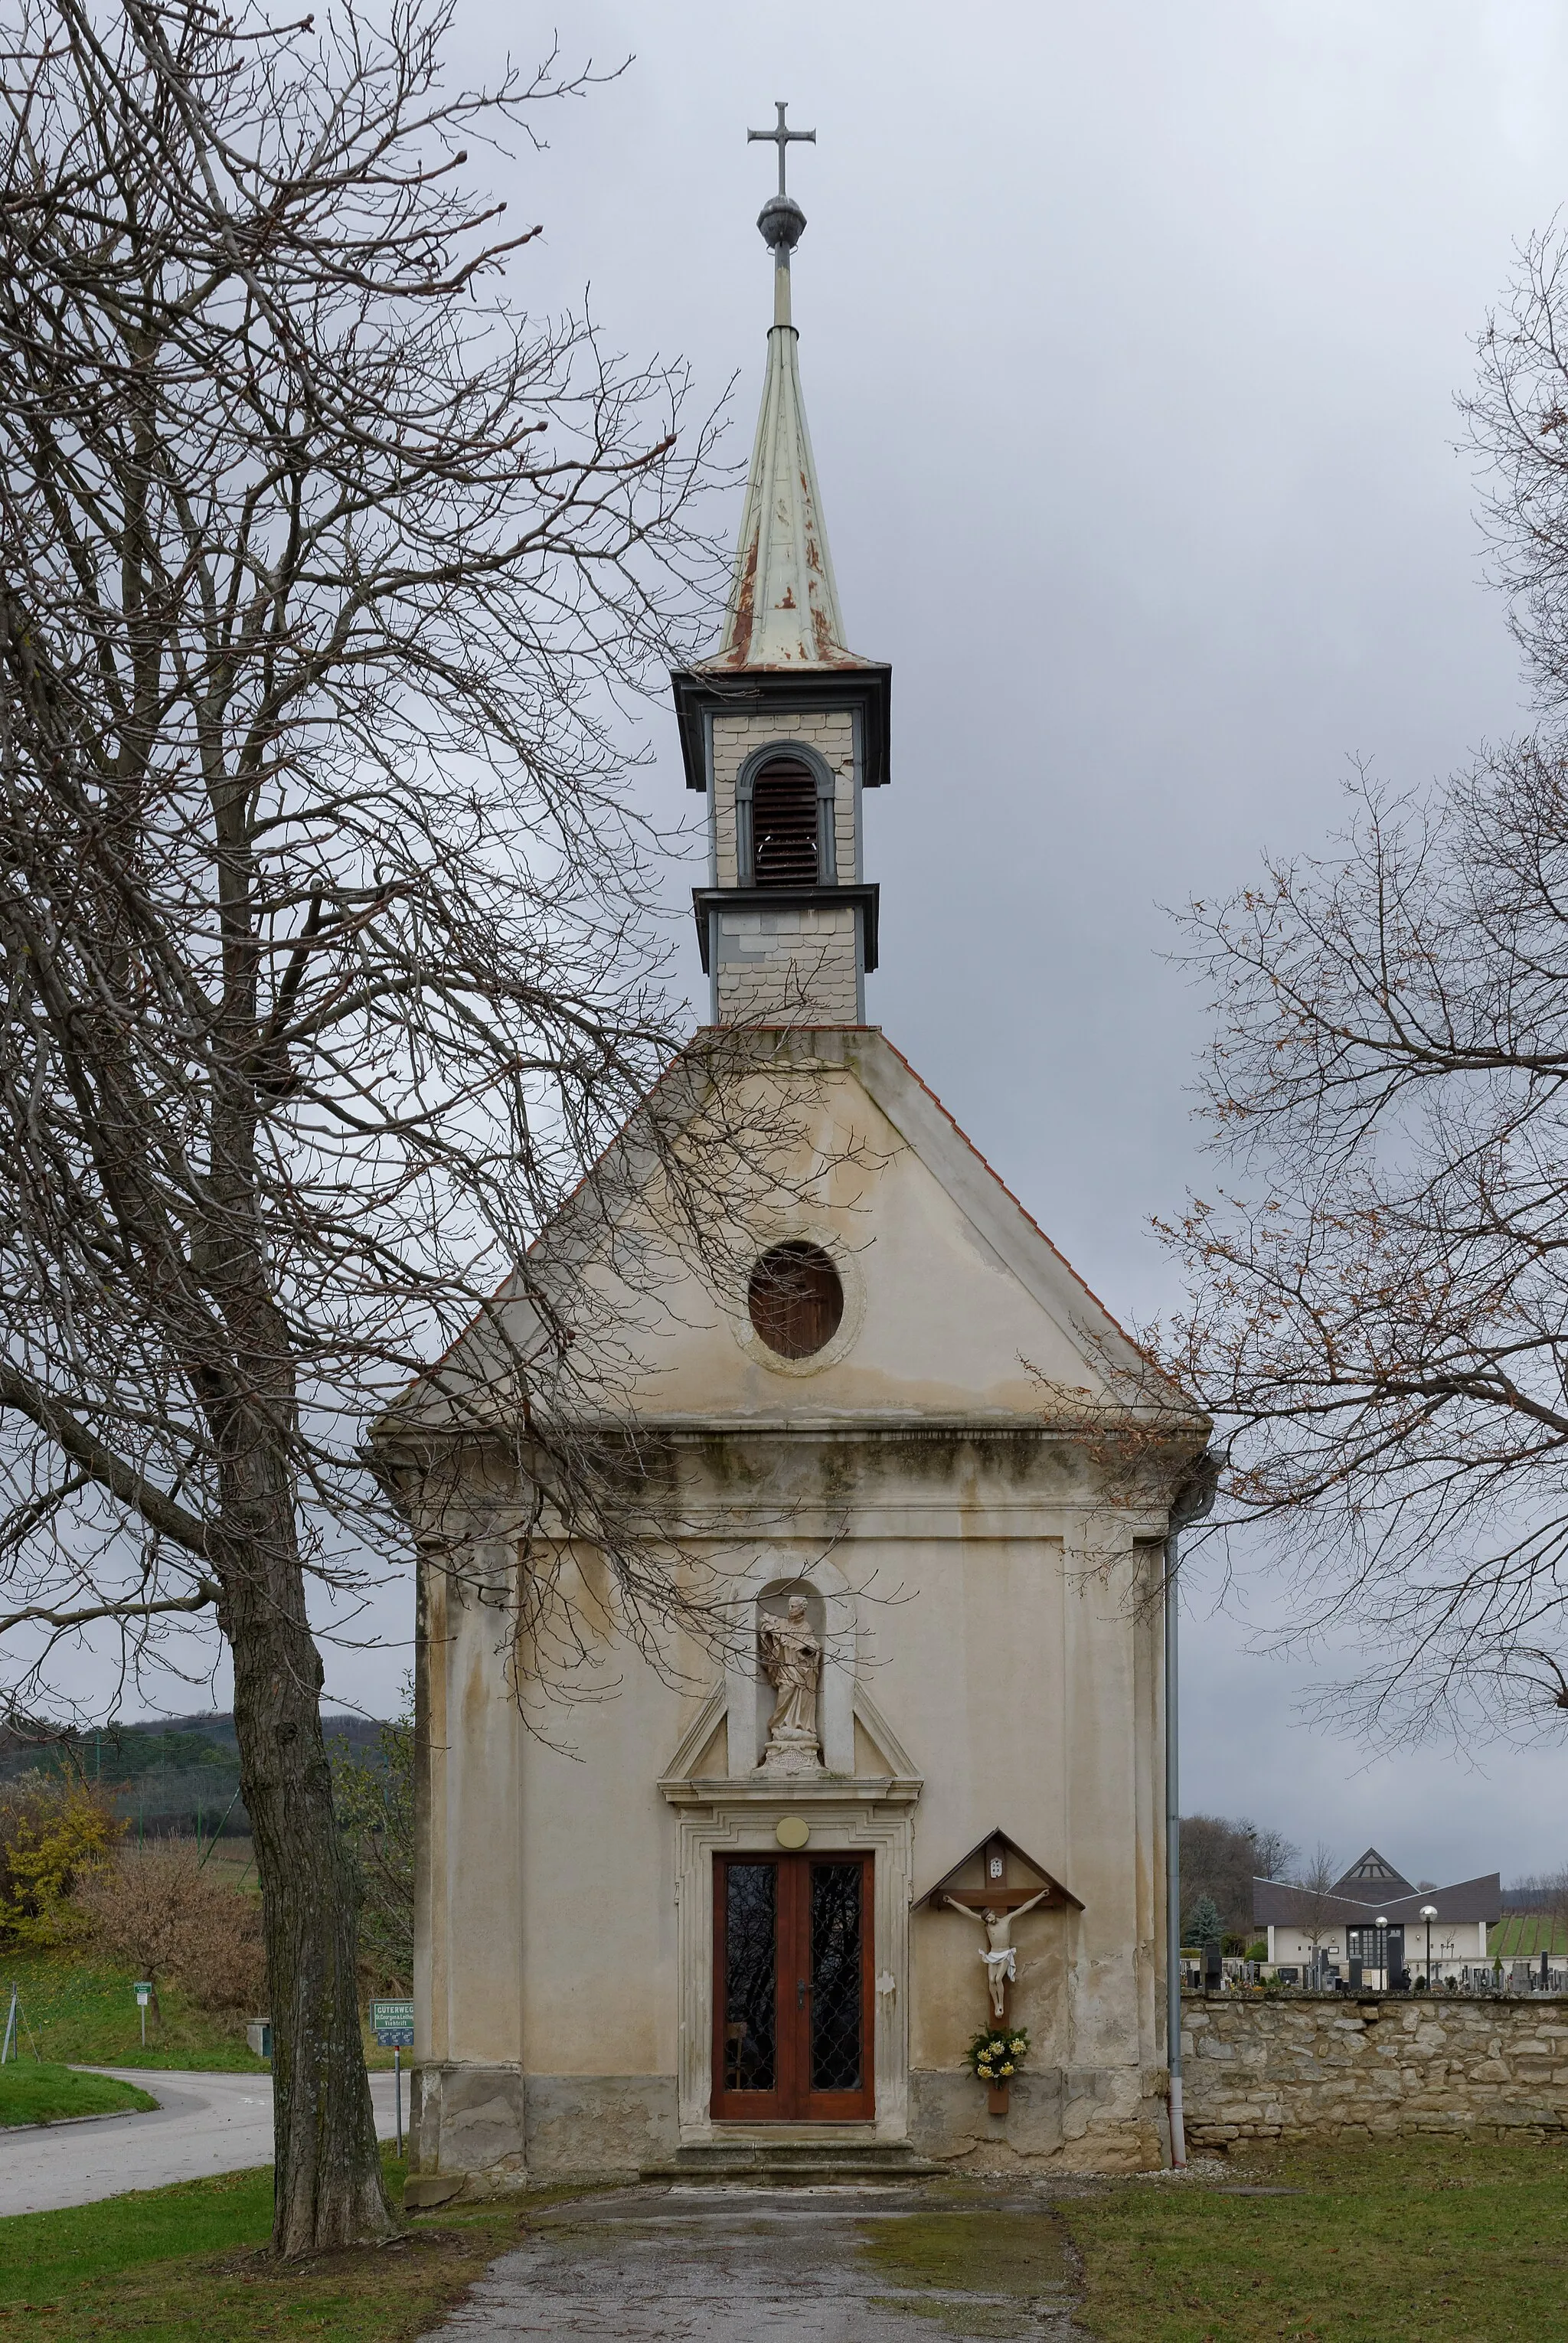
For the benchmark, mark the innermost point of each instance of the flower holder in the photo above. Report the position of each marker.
(994, 2057)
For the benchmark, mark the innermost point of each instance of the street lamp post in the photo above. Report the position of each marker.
(1429, 1913)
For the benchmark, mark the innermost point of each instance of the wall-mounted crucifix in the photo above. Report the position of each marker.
(994, 1902)
(998, 1952)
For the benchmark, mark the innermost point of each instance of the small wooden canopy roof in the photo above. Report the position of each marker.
(976, 1880)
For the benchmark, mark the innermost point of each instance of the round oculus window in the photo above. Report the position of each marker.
(796, 1299)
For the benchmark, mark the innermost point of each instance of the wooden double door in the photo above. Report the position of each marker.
(793, 1979)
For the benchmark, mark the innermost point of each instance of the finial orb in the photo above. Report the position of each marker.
(781, 223)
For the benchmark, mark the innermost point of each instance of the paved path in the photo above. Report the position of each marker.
(908, 2263)
(204, 2124)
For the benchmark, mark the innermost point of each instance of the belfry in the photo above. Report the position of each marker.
(784, 729)
(873, 1877)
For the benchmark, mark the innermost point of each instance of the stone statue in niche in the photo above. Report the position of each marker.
(791, 1659)
(998, 1953)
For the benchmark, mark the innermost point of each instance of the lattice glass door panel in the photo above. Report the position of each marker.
(751, 1977)
(792, 1997)
(836, 1967)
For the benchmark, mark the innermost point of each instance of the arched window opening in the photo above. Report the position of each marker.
(784, 825)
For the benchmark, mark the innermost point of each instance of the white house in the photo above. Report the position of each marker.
(1373, 1915)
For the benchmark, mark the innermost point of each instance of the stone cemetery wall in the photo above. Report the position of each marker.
(1310, 2065)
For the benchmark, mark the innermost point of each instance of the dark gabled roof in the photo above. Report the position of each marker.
(1373, 1879)
(1277, 1904)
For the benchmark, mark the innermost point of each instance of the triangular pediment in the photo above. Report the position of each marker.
(877, 1749)
(699, 1761)
(700, 1748)
(957, 1307)
(975, 1879)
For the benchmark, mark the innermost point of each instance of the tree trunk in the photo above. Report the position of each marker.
(328, 2189)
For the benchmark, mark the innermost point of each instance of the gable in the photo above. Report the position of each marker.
(1369, 1876)
(1276, 1904)
(956, 1305)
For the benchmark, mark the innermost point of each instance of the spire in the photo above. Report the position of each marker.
(783, 602)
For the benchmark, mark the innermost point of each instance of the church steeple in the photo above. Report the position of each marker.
(784, 726)
(783, 602)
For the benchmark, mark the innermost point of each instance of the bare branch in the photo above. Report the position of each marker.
(1378, 1314)
(205, 1596)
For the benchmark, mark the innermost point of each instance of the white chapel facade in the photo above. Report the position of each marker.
(751, 1901)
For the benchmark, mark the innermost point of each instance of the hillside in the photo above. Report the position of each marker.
(165, 1774)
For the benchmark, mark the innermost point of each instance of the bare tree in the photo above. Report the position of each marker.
(1379, 1317)
(1221, 1859)
(325, 567)
(374, 1794)
(1272, 1851)
(1316, 1912)
(156, 1908)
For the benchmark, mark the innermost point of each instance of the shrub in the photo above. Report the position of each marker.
(55, 1832)
(375, 1804)
(158, 1911)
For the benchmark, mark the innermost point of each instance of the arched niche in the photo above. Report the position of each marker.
(831, 1609)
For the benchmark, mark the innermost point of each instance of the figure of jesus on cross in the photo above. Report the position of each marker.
(998, 1952)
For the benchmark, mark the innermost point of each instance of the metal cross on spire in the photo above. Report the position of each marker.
(781, 138)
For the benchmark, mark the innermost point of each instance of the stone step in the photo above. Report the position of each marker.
(792, 2162)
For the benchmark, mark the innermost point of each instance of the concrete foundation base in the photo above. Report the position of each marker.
(490, 2130)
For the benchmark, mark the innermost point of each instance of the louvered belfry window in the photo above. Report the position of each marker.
(784, 825)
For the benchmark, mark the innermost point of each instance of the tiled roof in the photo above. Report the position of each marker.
(1277, 1904)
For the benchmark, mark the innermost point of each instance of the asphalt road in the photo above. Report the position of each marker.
(203, 2123)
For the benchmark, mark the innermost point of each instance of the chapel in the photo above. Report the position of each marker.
(754, 1893)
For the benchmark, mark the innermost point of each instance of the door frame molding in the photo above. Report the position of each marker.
(873, 1817)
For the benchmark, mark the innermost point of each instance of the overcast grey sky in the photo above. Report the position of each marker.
(1130, 336)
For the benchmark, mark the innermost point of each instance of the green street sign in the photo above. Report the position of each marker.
(392, 2024)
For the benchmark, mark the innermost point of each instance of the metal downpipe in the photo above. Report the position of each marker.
(1172, 1868)
(1191, 1501)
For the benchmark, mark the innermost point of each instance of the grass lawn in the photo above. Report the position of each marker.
(190, 2264)
(1523, 1936)
(1449, 2243)
(31, 2094)
(85, 2014)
